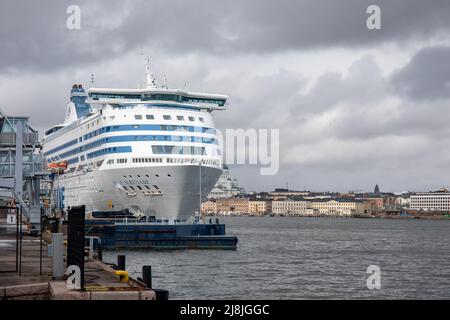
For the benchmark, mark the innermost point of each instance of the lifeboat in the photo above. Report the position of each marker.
(57, 166)
(63, 164)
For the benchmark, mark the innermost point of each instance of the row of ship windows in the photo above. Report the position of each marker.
(139, 187)
(148, 117)
(429, 199)
(134, 138)
(166, 117)
(200, 151)
(137, 160)
(168, 160)
(147, 127)
(152, 160)
(147, 160)
(434, 200)
(99, 153)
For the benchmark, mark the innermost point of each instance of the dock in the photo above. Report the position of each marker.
(33, 277)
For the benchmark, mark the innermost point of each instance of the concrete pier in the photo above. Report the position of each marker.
(101, 282)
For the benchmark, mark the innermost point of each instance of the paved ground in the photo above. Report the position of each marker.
(99, 277)
(30, 266)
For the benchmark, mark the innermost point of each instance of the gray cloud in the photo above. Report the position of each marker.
(346, 131)
(34, 36)
(344, 128)
(426, 76)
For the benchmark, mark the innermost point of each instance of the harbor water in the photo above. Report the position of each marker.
(307, 258)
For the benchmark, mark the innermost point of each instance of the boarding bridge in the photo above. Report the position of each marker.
(20, 168)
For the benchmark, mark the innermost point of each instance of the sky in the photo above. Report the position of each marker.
(355, 107)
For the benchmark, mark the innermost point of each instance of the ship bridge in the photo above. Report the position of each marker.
(155, 96)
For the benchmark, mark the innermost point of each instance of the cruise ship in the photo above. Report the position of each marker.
(151, 151)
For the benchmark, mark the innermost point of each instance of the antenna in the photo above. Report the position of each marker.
(150, 81)
(165, 83)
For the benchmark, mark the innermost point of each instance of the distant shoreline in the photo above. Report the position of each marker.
(337, 217)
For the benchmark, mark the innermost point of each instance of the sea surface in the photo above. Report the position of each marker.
(307, 258)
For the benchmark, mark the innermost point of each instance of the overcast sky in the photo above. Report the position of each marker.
(355, 107)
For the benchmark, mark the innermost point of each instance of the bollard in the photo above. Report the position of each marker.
(123, 275)
(99, 253)
(58, 255)
(161, 294)
(121, 262)
(147, 276)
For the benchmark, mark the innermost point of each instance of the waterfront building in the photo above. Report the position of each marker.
(431, 201)
(226, 186)
(209, 207)
(402, 202)
(279, 194)
(290, 207)
(232, 205)
(259, 207)
(339, 207)
(374, 203)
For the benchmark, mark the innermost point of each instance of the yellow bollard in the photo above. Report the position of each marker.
(123, 275)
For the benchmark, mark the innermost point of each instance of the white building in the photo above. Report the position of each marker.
(338, 207)
(290, 207)
(225, 187)
(431, 201)
(403, 202)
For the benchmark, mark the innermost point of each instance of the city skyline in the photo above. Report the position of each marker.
(355, 107)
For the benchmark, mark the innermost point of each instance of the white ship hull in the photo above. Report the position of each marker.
(172, 192)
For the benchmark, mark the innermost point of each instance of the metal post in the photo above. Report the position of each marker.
(58, 255)
(17, 239)
(40, 243)
(20, 240)
(18, 167)
(91, 248)
(161, 294)
(121, 262)
(147, 276)
(200, 195)
(99, 252)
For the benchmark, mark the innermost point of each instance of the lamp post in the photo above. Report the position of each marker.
(200, 188)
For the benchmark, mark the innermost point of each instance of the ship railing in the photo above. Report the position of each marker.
(147, 220)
